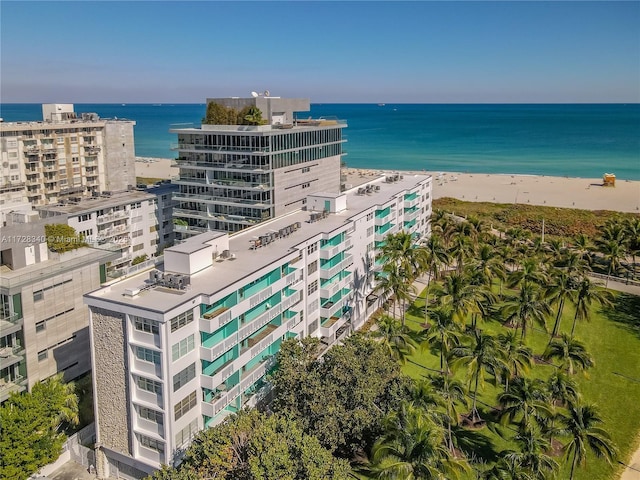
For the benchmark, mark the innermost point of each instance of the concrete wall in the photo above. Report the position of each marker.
(65, 336)
(119, 156)
(111, 388)
(292, 185)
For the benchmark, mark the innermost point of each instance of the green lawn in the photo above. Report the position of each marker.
(613, 339)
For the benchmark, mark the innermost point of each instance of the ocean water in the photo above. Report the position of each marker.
(575, 140)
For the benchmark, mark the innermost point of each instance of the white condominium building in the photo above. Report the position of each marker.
(64, 156)
(127, 223)
(234, 176)
(177, 350)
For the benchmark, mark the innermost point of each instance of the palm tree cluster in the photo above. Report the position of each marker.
(475, 277)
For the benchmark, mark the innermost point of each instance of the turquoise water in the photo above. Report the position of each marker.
(565, 140)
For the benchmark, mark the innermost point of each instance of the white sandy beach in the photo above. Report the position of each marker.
(583, 193)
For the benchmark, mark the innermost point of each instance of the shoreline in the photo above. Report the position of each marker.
(543, 190)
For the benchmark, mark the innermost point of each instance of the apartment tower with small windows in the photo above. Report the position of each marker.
(63, 157)
(178, 348)
(235, 176)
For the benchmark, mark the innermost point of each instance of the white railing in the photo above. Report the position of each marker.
(332, 272)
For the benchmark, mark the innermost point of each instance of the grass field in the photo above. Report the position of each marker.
(613, 339)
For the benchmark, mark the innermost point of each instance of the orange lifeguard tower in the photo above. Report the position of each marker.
(609, 180)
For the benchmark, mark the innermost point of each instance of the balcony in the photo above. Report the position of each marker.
(197, 147)
(382, 233)
(332, 272)
(411, 202)
(327, 252)
(112, 217)
(189, 197)
(11, 355)
(330, 308)
(10, 324)
(215, 319)
(411, 215)
(383, 220)
(331, 325)
(330, 289)
(9, 386)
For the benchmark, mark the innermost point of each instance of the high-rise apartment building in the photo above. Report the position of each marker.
(44, 324)
(234, 176)
(65, 156)
(177, 350)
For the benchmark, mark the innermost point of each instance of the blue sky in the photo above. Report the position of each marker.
(431, 52)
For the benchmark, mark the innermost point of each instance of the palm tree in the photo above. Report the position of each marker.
(393, 282)
(412, 447)
(458, 293)
(562, 389)
(527, 399)
(443, 334)
(480, 357)
(461, 248)
(530, 273)
(532, 455)
(488, 264)
(582, 246)
(507, 468)
(581, 426)
(399, 248)
(584, 295)
(558, 291)
(517, 357)
(436, 256)
(452, 395)
(397, 340)
(632, 238)
(571, 353)
(613, 253)
(528, 306)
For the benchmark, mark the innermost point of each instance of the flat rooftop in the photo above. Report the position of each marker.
(247, 261)
(57, 125)
(54, 266)
(87, 205)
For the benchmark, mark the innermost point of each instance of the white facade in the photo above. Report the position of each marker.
(127, 223)
(200, 336)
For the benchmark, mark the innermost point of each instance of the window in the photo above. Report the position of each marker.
(145, 325)
(136, 205)
(186, 404)
(137, 219)
(137, 233)
(148, 355)
(153, 228)
(313, 326)
(180, 379)
(149, 385)
(138, 247)
(369, 216)
(183, 347)
(181, 320)
(151, 443)
(305, 169)
(312, 248)
(150, 414)
(369, 231)
(84, 218)
(38, 295)
(313, 267)
(313, 306)
(41, 326)
(42, 355)
(187, 433)
(313, 286)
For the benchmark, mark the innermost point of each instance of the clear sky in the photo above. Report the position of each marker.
(415, 52)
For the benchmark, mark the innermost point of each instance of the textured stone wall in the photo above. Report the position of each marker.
(110, 373)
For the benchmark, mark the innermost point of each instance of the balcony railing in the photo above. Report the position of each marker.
(332, 272)
(222, 200)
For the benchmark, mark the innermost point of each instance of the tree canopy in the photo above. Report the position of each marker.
(32, 427)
